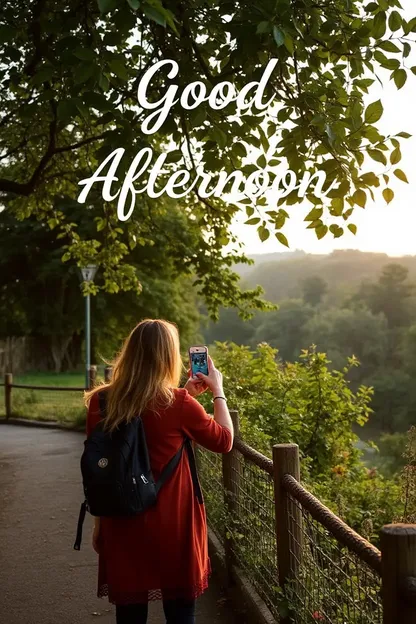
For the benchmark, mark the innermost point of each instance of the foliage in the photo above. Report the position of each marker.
(391, 295)
(314, 288)
(309, 404)
(285, 329)
(31, 270)
(391, 459)
(408, 479)
(68, 82)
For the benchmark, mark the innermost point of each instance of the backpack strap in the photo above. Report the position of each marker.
(102, 403)
(173, 463)
(78, 539)
(194, 472)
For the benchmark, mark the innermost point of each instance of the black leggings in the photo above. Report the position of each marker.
(176, 612)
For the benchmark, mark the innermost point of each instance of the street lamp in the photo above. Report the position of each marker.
(88, 274)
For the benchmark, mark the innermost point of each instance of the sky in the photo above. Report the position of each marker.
(381, 228)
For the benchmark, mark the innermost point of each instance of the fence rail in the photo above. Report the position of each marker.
(44, 402)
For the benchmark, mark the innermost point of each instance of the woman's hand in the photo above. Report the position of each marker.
(96, 538)
(195, 386)
(213, 380)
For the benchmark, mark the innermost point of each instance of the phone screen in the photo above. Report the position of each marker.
(199, 363)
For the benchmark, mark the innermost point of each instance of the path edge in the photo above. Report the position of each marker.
(240, 589)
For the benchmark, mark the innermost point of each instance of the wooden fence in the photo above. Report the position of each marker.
(324, 571)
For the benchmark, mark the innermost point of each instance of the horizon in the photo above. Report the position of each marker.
(328, 253)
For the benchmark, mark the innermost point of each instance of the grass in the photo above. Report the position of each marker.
(50, 405)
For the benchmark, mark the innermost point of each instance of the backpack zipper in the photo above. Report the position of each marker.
(143, 478)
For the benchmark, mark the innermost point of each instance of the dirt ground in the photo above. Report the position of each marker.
(42, 579)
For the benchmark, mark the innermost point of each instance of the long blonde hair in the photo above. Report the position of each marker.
(145, 372)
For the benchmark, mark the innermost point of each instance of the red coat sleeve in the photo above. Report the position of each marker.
(202, 428)
(94, 414)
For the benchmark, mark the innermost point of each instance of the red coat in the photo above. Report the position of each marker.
(163, 552)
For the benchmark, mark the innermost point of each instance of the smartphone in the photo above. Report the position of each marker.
(198, 357)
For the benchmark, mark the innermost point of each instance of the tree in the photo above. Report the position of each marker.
(68, 99)
(392, 296)
(40, 296)
(343, 333)
(314, 288)
(285, 329)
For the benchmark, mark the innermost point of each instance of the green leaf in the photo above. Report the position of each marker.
(352, 228)
(279, 36)
(388, 46)
(404, 135)
(263, 233)
(290, 46)
(388, 195)
(135, 4)
(44, 74)
(84, 54)
(314, 214)
(239, 150)
(360, 198)
(218, 136)
(261, 161)
(379, 25)
(66, 109)
(373, 112)
(119, 69)
(377, 155)
(252, 221)
(154, 15)
(106, 5)
(84, 72)
(400, 77)
(395, 156)
(96, 100)
(401, 175)
(282, 239)
(103, 82)
(395, 21)
(321, 231)
(263, 27)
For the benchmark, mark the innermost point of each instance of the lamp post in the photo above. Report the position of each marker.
(88, 274)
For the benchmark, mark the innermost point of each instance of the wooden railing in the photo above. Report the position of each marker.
(325, 571)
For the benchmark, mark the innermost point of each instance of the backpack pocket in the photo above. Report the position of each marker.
(107, 498)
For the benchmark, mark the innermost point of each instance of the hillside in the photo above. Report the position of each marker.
(267, 258)
(342, 270)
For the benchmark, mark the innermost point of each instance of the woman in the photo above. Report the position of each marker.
(162, 553)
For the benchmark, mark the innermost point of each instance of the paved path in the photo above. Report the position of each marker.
(42, 579)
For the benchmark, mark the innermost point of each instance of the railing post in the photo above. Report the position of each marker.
(107, 373)
(232, 474)
(8, 383)
(92, 376)
(398, 573)
(288, 516)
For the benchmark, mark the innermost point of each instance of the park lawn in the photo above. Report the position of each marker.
(65, 406)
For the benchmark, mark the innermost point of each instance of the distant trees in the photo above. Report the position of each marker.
(374, 320)
(286, 328)
(391, 296)
(313, 289)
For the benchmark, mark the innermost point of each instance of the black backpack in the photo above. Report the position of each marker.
(116, 473)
